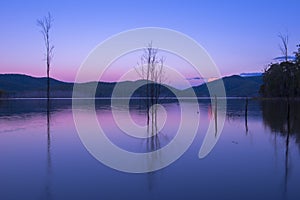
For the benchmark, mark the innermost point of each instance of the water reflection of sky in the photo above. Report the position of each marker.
(244, 164)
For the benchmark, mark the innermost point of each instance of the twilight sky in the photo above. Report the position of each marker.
(240, 36)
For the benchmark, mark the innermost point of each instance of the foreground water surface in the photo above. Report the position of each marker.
(256, 157)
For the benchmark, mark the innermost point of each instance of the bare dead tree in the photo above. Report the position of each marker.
(45, 25)
(151, 69)
(284, 45)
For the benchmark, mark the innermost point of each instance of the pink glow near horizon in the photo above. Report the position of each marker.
(240, 36)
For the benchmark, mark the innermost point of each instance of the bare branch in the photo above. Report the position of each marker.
(284, 45)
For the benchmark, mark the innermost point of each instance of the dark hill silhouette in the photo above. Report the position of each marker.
(18, 85)
(235, 86)
(23, 86)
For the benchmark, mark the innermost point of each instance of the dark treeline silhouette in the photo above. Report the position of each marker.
(282, 79)
(297, 54)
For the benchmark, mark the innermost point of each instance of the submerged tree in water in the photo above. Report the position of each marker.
(151, 69)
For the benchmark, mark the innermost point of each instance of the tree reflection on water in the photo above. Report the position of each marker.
(282, 117)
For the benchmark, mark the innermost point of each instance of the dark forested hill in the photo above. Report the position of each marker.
(23, 86)
(235, 86)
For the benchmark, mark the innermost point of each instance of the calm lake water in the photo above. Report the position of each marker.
(257, 158)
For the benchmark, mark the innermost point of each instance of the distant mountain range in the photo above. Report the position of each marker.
(235, 86)
(23, 86)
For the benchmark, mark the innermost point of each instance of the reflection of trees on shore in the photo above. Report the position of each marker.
(275, 114)
(282, 117)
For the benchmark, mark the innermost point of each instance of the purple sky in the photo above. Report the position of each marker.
(240, 36)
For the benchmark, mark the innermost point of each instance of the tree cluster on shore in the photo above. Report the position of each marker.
(283, 79)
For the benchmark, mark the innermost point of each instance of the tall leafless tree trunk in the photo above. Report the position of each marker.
(284, 45)
(45, 24)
